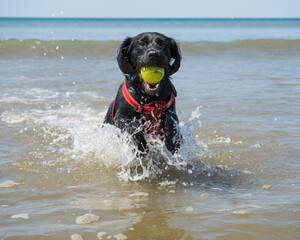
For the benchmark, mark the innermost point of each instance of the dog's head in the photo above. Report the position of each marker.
(149, 49)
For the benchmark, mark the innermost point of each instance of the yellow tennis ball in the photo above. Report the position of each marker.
(152, 74)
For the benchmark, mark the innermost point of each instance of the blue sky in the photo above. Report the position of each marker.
(154, 8)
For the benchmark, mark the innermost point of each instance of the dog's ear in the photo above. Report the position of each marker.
(124, 57)
(175, 54)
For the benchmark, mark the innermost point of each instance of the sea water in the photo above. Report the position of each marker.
(236, 175)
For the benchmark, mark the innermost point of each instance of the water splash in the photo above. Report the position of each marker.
(159, 161)
(78, 135)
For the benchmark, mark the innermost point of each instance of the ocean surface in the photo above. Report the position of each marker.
(63, 174)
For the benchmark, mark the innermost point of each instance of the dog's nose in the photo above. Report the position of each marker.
(152, 54)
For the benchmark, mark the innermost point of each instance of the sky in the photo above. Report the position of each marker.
(151, 9)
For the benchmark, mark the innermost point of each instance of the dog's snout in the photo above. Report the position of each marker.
(152, 54)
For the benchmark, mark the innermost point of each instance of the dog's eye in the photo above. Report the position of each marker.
(142, 44)
(160, 42)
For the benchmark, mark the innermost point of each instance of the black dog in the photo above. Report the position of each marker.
(142, 108)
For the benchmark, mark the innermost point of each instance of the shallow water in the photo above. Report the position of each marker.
(236, 176)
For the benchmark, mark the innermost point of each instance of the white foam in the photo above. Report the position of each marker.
(204, 195)
(12, 118)
(22, 215)
(221, 140)
(41, 96)
(28, 96)
(120, 236)
(101, 234)
(240, 212)
(139, 194)
(189, 209)
(167, 183)
(250, 206)
(76, 237)
(87, 218)
(8, 184)
(90, 141)
(266, 187)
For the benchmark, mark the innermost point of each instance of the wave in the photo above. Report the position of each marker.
(66, 47)
(56, 47)
(252, 44)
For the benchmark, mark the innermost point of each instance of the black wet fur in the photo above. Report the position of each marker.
(147, 49)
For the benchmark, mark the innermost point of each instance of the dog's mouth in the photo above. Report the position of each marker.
(152, 78)
(151, 86)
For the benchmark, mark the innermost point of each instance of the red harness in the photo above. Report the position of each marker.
(153, 109)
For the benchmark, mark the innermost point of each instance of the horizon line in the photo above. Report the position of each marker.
(159, 18)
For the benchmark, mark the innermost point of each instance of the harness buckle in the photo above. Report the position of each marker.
(140, 109)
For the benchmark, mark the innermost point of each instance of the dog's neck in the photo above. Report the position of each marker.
(134, 85)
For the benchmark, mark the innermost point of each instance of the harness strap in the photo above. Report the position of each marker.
(113, 110)
(153, 109)
(149, 108)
